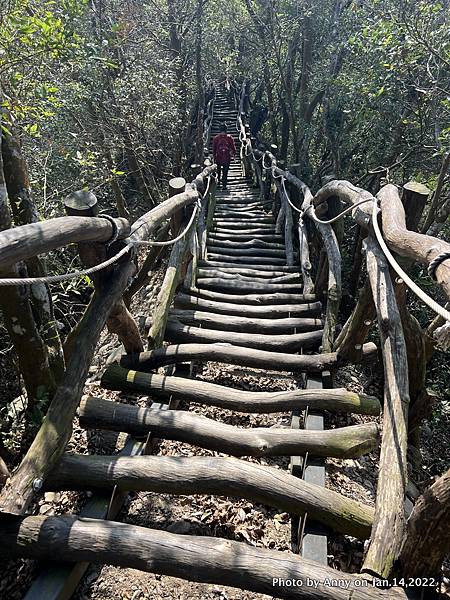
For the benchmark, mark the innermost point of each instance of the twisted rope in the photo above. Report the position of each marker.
(49, 279)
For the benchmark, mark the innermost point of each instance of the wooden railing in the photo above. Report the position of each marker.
(399, 335)
(98, 239)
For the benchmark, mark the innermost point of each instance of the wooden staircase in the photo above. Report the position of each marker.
(247, 308)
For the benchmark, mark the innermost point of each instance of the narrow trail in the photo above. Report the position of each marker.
(237, 394)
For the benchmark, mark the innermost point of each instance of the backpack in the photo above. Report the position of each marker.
(223, 150)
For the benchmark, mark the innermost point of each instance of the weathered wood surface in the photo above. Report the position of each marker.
(290, 278)
(246, 237)
(418, 247)
(427, 539)
(351, 195)
(235, 355)
(176, 333)
(56, 429)
(171, 280)
(236, 226)
(356, 329)
(202, 559)
(254, 243)
(24, 242)
(212, 264)
(216, 476)
(252, 274)
(256, 299)
(244, 286)
(305, 263)
(267, 311)
(334, 285)
(212, 394)
(214, 248)
(120, 321)
(389, 525)
(257, 259)
(244, 230)
(245, 324)
(345, 442)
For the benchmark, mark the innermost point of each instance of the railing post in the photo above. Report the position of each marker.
(177, 185)
(414, 198)
(120, 321)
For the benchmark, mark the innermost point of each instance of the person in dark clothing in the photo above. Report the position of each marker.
(224, 150)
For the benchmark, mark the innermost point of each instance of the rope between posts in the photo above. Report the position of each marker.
(15, 281)
(437, 308)
(66, 276)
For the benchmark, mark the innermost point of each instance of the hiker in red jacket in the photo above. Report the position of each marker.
(224, 151)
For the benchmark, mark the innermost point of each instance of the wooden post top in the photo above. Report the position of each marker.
(176, 186)
(414, 198)
(81, 203)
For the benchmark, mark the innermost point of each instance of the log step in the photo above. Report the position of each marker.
(249, 276)
(245, 324)
(183, 426)
(268, 260)
(211, 394)
(241, 287)
(176, 333)
(233, 225)
(226, 272)
(233, 268)
(267, 312)
(259, 299)
(196, 558)
(218, 247)
(216, 476)
(254, 243)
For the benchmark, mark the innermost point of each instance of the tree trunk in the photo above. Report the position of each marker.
(427, 540)
(15, 303)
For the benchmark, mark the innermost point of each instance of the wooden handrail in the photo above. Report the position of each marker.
(26, 241)
(410, 244)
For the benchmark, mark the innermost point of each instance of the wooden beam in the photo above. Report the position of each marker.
(180, 425)
(171, 281)
(245, 324)
(268, 311)
(176, 332)
(236, 355)
(416, 246)
(211, 394)
(202, 559)
(56, 429)
(218, 476)
(389, 525)
(26, 241)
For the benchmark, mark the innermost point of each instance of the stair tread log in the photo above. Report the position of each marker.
(262, 298)
(176, 332)
(245, 324)
(216, 476)
(184, 426)
(212, 394)
(268, 311)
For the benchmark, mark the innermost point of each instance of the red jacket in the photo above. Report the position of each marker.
(224, 149)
